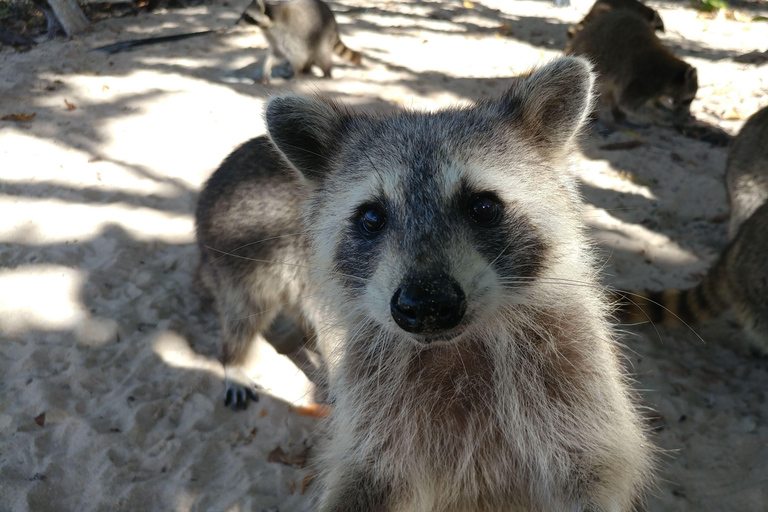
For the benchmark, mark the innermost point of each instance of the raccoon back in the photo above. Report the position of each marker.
(601, 7)
(746, 174)
(629, 57)
(251, 197)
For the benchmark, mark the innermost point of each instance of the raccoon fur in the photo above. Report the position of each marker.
(638, 75)
(739, 279)
(602, 6)
(302, 32)
(437, 264)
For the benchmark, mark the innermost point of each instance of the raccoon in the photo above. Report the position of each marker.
(603, 6)
(747, 170)
(435, 264)
(638, 74)
(739, 279)
(301, 32)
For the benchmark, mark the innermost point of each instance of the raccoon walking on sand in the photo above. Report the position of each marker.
(638, 75)
(302, 32)
(739, 279)
(442, 261)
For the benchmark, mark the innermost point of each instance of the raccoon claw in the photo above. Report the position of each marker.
(236, 397)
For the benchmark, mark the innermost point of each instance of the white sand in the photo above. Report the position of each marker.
(101, 329)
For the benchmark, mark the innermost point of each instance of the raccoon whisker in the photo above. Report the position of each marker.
(606, 289)
(305, 150)
(279, 306)
(257, 242)
(499, 255)
(286, 263)
(626, 293)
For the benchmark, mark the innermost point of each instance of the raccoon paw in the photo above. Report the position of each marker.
(236, 397)
(239, 390)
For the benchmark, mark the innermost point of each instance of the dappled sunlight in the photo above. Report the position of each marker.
(274, 373)
(174, 350)
(600, 175)
(34, 221)
(614, 233)
(47, 298)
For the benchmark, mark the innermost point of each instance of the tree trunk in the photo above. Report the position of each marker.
(70, 16)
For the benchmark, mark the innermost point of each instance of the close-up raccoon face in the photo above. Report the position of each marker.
(425, 224)
(426, 252)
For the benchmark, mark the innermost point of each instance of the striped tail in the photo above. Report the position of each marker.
(704, 302)
(345, 53)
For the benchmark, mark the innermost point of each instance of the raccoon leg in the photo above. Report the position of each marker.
(296, 343)
(242, 322)
(325, 62)
(266, 70)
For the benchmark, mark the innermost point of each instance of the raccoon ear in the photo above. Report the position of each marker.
(306, 132)
(551, 104)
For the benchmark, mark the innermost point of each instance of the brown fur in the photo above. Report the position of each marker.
(603, 6)
(638, 75)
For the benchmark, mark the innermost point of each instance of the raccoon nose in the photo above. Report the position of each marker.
(428, 305)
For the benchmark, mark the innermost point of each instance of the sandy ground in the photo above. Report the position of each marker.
(101, 330)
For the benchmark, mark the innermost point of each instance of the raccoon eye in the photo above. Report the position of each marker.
(371, 220)
(484, 209)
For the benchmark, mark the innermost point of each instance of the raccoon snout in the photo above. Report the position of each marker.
(428, 305)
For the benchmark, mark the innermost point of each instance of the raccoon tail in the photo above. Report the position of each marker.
(710, 298)
(345, 53)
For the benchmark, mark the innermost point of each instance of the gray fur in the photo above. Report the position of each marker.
(747, 172)
(521, 406)
(302, 32)
(252, 257)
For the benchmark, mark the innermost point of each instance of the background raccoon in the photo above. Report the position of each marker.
(739, 279)
(604, 6)
(303, 32)
(243, 262)
(747, 173)
(637, 73)
(434, 266)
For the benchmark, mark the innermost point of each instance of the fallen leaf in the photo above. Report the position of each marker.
(251, 435)
(40, 419)
(468, 4)
(314, 410)
(733, 113)
(278, 455)
(262, 413)
(19, 117)
(632, 177)
(305, 482)
(70, 106)
(104, 87)
(738, 16)
(94, 160)
(98, 177)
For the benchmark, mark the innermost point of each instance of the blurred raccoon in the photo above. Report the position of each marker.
(739, 279)
(638, 75)
(602, 6)
(434, 266)
(302, 32)
(747, 173)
